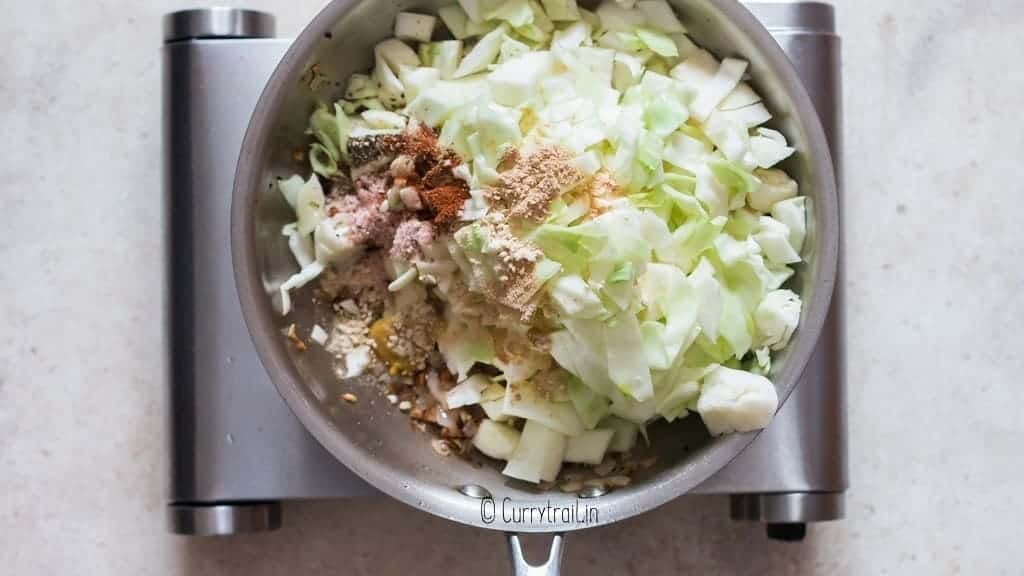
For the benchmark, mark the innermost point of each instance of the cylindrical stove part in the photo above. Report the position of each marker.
(795, 17)
(223, 519)
(211, 23)
(232, 439)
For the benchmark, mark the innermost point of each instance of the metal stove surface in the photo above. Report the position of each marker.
(237, 451)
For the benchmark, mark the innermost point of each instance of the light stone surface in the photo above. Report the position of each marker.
(935, 293)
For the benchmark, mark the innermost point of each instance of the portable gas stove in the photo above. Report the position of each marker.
(237, 451)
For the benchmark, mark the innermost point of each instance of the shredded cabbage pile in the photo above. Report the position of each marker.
(672, 300)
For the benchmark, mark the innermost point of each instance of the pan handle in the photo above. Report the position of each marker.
(520, 567)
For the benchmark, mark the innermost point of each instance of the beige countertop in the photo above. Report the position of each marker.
(935, 295)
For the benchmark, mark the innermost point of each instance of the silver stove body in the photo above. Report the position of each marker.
(237, 451)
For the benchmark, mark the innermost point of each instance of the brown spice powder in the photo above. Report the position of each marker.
(527, 189)
(446, 202)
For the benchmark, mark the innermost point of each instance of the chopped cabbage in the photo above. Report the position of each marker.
(469, 392)
(793, 213)
(589, 447)
(777, 317)
(591, 406)
(562, 10)
(483, 54)
(652, 295)
(736, 401)
(463, 346)
(625, 433)
(414, 27)
(775, 187)
(496, 440)
(660, 16)
(455, 19)
(523, 400)
(538, 455)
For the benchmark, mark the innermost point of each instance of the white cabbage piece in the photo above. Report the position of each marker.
(300, 245)
(793, 213)
(712, 92)
(573, 36)
(384, 120)
(712, 193)
(468, 392)
(736, 325)
(436, 104)
(773, 237)
(512, 49)
(588, 163)
(309, 206)
(514, 82)
(290, 188)
(637, 412)
(496, 440)
(687, 152)
(477, 10)
(396, 54)
(522, 400)
(581, 351)
(589, 447)
(741, 97)
(736, 401)
(660, 16)
(627, 71)
(562, 10)
(696, 71)
(298, 280)
(617, 18)
(483, 54)
(463, 345)
(538, 455)
(625, 435)
(360, 87)
(391, 89)
(415, 81)
(574, 297)
(455, 19)
(662, 45)
(627, 365)
(520, 363)
(776, 186)
(674, 404)
(769, 148)
(404, 280)
(669, 294)
(414, 27)
(333, 243)
(517, 13)
(590, 406)
(777, 317)
(491, 400)
(708, 292)
(730, 136)
(747, 117)
(445, 56)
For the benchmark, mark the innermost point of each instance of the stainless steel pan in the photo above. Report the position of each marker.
(371, 437)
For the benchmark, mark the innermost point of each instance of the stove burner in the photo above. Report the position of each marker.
(237, 451)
